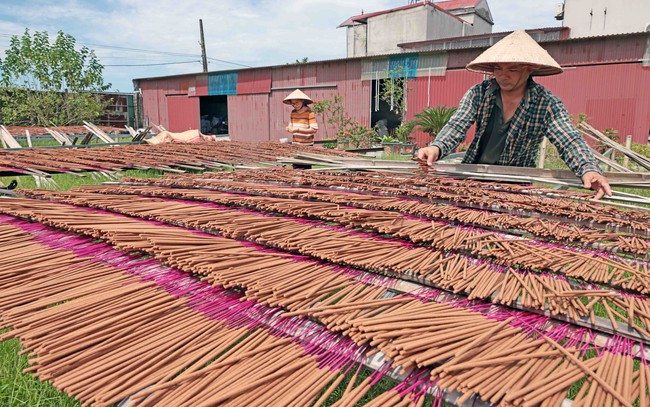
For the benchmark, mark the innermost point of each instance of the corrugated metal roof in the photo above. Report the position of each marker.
(455, 4)
(363, 18)
(545, 29)
(498, 35)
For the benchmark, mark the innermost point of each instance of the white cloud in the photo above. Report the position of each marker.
(250, 32)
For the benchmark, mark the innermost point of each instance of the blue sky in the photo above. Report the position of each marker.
(145, 38)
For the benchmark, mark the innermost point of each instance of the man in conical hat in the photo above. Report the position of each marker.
(302, 124)
(513, 114)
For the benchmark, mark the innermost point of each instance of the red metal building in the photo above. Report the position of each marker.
(607, 78)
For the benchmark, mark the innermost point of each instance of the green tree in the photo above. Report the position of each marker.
(334, 112)
(304, 60)
(431, 120)
(44, 83)
(347, 129)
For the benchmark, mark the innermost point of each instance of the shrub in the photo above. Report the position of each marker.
(431, 120)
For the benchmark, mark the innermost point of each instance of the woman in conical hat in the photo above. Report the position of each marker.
(302, 124)
(513, 114)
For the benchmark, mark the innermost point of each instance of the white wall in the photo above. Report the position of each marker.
(382, 33)
(385, 31)
(600, 17)
(442, 25)
(478, 16)
(477, 24)
(356, 40)
(416, 24)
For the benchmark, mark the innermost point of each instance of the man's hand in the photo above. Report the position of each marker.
(597, 182)
(291, 129)
(431, 154)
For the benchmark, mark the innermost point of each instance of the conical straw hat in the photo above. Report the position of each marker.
(296, 94)
(518, 47)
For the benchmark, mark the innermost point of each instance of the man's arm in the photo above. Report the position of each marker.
(574, 151)
(429, 154)
(455, 131)
(597, 182)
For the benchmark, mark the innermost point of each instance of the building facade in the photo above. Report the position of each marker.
(589, 18)
(379, 33)
(607, 78)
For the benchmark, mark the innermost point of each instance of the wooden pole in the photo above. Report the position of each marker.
(628, 145)
(542, 154)
(204, 57)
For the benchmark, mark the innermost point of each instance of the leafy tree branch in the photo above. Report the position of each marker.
(44, 82)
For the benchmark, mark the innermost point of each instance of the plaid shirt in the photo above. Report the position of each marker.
(540, 114)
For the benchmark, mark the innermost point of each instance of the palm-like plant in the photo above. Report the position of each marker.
(431, 120)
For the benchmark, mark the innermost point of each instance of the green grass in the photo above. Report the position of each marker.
(48, 142)
(382, 386)
(575, 388)
(21, 389)
(64, 182)
(396, 157)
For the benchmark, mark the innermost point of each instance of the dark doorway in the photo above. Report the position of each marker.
(383, 115)
(214, 114)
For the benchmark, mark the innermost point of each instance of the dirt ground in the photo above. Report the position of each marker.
(35, 130)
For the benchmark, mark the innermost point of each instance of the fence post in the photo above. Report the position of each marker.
(628, 145)
(542, 154)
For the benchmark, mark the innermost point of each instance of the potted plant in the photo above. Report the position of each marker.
(403, 134)
(431, 120)
(343, 141)
(360, 136)
(390, 144)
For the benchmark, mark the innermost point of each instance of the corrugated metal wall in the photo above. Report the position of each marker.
(294, 75)
(323, 81)
(248, 117)
(436, 91)
(200, 85)
(589, 50)
(612, 94)
(154, 102)
(222, 83)
(155, 95)
(254, 81)
(183, 113)
(195, 84)
(356, 93)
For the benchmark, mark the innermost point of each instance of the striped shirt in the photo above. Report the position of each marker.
(540, 114)
(301, 121)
